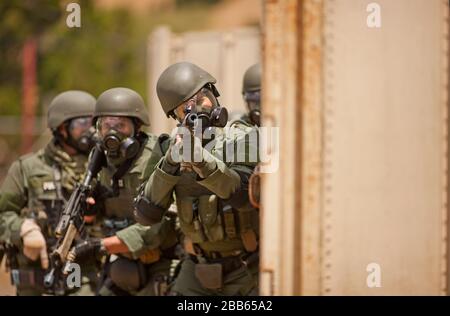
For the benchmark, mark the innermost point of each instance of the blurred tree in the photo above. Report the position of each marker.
(109, 49)
(20, 20)
(102, 53)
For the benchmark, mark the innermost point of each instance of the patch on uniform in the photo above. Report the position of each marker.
(119, 182)
(48, 186)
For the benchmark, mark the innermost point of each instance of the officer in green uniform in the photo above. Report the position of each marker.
(251, 91)
(138, 257)
(219, 225)
(36, 189)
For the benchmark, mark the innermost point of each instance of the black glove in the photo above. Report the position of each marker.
(91, 248)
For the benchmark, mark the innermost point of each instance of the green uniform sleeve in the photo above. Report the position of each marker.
(160, 186)
(139, 238)
(231, 177)
(12, 200)
(223, 182)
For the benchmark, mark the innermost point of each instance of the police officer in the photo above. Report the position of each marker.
(138, 257)
(219, 225)
(251, 91)
(36, 189)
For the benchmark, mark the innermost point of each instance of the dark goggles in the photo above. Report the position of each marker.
(254, 96)
(83, 123)
(124, 125)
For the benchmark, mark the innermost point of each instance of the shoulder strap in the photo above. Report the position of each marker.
(240, 121)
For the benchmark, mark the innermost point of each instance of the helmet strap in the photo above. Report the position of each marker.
(70, 141)
(214, 90)
(212, 94)
(59, 138)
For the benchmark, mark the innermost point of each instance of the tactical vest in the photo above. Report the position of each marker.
(209, 222)
(45, 194)
(118, 209)
(120, 206)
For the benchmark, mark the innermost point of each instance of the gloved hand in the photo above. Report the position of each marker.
(34, 245)
(170, 165)
(203, 162)
(93, 247)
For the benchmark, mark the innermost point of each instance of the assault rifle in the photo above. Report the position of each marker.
(71, 221)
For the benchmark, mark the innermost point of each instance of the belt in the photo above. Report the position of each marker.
(111, 226)
(29, 277)
(230, 264)
(35, 278)
(116, 223)
(212, 255)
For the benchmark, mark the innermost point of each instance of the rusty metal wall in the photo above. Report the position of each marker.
(225, 54)
(281, 190)
(363, 178)
(385, 157)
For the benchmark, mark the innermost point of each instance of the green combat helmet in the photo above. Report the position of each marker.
(121, 102)
(251, 91)
(69, 105)
(252, 79)
(179, 82)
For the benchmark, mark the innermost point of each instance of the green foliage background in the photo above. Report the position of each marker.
(108, 50)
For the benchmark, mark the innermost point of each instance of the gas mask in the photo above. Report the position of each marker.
(208, 116)
(117, 138)
(253, 100)
(81, 134)
(86, 142)
(217, 117)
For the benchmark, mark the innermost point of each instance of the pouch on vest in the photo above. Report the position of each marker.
(248, 234)
(189, 222)
(128, 275)
(209, 275)
(210, 218)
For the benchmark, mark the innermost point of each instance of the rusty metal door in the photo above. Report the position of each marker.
(359, 203)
